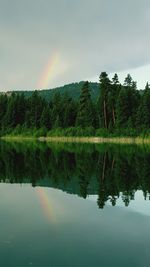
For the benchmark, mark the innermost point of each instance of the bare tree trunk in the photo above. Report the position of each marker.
(113, 113)
(105, 114)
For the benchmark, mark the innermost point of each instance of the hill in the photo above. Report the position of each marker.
(72, 89)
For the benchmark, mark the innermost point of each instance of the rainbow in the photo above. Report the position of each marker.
(45, 203)
(49, 72)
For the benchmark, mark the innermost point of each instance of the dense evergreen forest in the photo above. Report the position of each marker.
(72, 89)
(103, 170)
(119, 109)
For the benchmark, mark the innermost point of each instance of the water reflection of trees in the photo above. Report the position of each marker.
(107, 171)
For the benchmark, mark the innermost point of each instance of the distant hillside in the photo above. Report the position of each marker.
(72, 89)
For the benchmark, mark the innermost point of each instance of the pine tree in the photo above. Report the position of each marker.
(57, 122)
(57, 110)
(3, 109)
(35, 108)
(146, 107)
(115, 79)
(112, 99)
(122, 109)
(105, 87)
(127, 104)
(128, 81)
(9, 120)
(84, 115)
(45, 120)
(20, 109)
(69, 111)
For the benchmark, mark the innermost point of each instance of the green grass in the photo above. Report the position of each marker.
(77, 134)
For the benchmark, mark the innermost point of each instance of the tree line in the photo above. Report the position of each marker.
(120, 109)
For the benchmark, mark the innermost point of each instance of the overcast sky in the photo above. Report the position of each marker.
(53, 42)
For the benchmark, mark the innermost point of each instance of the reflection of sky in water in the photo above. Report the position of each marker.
(58, 229)
(139, 204)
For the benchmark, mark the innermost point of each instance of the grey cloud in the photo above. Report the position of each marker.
(90, 35)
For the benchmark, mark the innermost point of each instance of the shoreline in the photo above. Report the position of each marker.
(92, 140)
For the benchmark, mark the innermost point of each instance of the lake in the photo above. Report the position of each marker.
(70, 205)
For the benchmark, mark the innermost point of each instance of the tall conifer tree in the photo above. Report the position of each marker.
(105, 87)
(84, 115)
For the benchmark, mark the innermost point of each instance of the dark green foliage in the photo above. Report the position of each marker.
(120, 110)
(112, 99)
(127, 104)
(45, 120)
(146, 109)
(128, 81)
(56, 111)
(143, 114)
(85, 112)
(73, 90)
(69, 111)
(35, 107)
(123, 111)
(103, 103)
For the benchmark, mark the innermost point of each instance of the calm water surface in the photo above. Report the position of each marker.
(74, 205)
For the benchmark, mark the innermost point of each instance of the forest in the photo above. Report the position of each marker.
(118, 110)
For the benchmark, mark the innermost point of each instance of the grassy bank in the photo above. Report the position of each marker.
(63, 139)
(78, 135)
